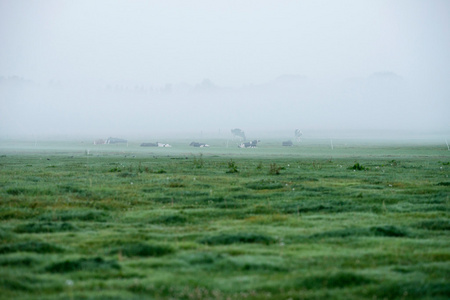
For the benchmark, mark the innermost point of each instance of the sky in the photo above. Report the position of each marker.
(336, 51)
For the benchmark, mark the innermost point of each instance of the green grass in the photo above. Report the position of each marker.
(361, 221)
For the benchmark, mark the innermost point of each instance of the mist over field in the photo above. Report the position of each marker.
(153, 68)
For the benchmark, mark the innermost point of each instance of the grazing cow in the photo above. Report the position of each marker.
(157, 144)
(197, 144)
(288, 143)
(161, 145)
(112, 140)
(251, 144)
(99, 142)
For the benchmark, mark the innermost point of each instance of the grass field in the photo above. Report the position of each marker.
(361, 221)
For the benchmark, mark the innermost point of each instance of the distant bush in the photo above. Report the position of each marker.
(358, 167)
(247, 238)
(82, 264)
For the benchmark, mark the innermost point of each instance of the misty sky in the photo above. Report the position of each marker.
(337, 48)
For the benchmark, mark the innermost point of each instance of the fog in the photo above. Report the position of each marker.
(155, 68)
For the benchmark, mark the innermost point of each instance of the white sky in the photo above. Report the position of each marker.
(233, 44)
(229, 42)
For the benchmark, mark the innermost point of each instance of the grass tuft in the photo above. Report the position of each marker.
(437, 224)
(144, 250)
(44, 227)
(338, 280)
(240, 238)
(170, 220)
(265, 185)
(82, 264)
(30, 246)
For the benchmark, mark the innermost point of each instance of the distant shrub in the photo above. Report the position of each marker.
(82, 264)
(358, 167)
(44, 227)
(30, 246)
(144, 250)
(239, 238)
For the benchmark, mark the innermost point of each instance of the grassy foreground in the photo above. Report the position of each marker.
(114, 222)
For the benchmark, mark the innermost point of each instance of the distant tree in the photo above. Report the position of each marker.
(238, 132)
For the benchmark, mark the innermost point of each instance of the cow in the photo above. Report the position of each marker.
(287, 143)
(157, 144)
(112, 140)
(251, 144)
(197, 144)
(99, 142)
(161, 145)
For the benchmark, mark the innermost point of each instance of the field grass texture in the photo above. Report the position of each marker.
(79, 221)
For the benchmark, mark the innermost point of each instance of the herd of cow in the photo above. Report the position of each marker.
(111, 140)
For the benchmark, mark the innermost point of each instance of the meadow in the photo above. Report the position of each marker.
(360, 221)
